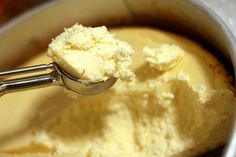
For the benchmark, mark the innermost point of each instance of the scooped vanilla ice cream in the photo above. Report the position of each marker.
(92, 54)
(180, 112)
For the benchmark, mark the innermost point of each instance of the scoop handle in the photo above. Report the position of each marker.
(25, 83)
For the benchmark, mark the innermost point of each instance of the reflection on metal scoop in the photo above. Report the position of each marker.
(56, 77)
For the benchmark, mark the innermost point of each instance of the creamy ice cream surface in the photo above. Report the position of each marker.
(174, 111)
(92, 54)
(163, 57)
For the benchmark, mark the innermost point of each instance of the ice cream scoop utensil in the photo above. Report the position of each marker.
(57, 76)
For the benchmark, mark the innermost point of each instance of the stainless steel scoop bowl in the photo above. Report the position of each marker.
(57, 76)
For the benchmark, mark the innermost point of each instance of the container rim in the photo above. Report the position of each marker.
(230, 150)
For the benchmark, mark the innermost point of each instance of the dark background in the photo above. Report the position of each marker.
(11, 8)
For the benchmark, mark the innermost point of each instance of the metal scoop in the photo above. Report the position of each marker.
(57, 76)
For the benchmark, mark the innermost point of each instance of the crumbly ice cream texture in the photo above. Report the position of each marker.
(164, 57)
(181, 112)
(92, 54)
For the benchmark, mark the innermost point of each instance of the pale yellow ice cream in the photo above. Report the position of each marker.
(164, 57)
(179, 112)
(92, 54)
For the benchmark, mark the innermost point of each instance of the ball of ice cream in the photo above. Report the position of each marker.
(92, 54)
(163, 57)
